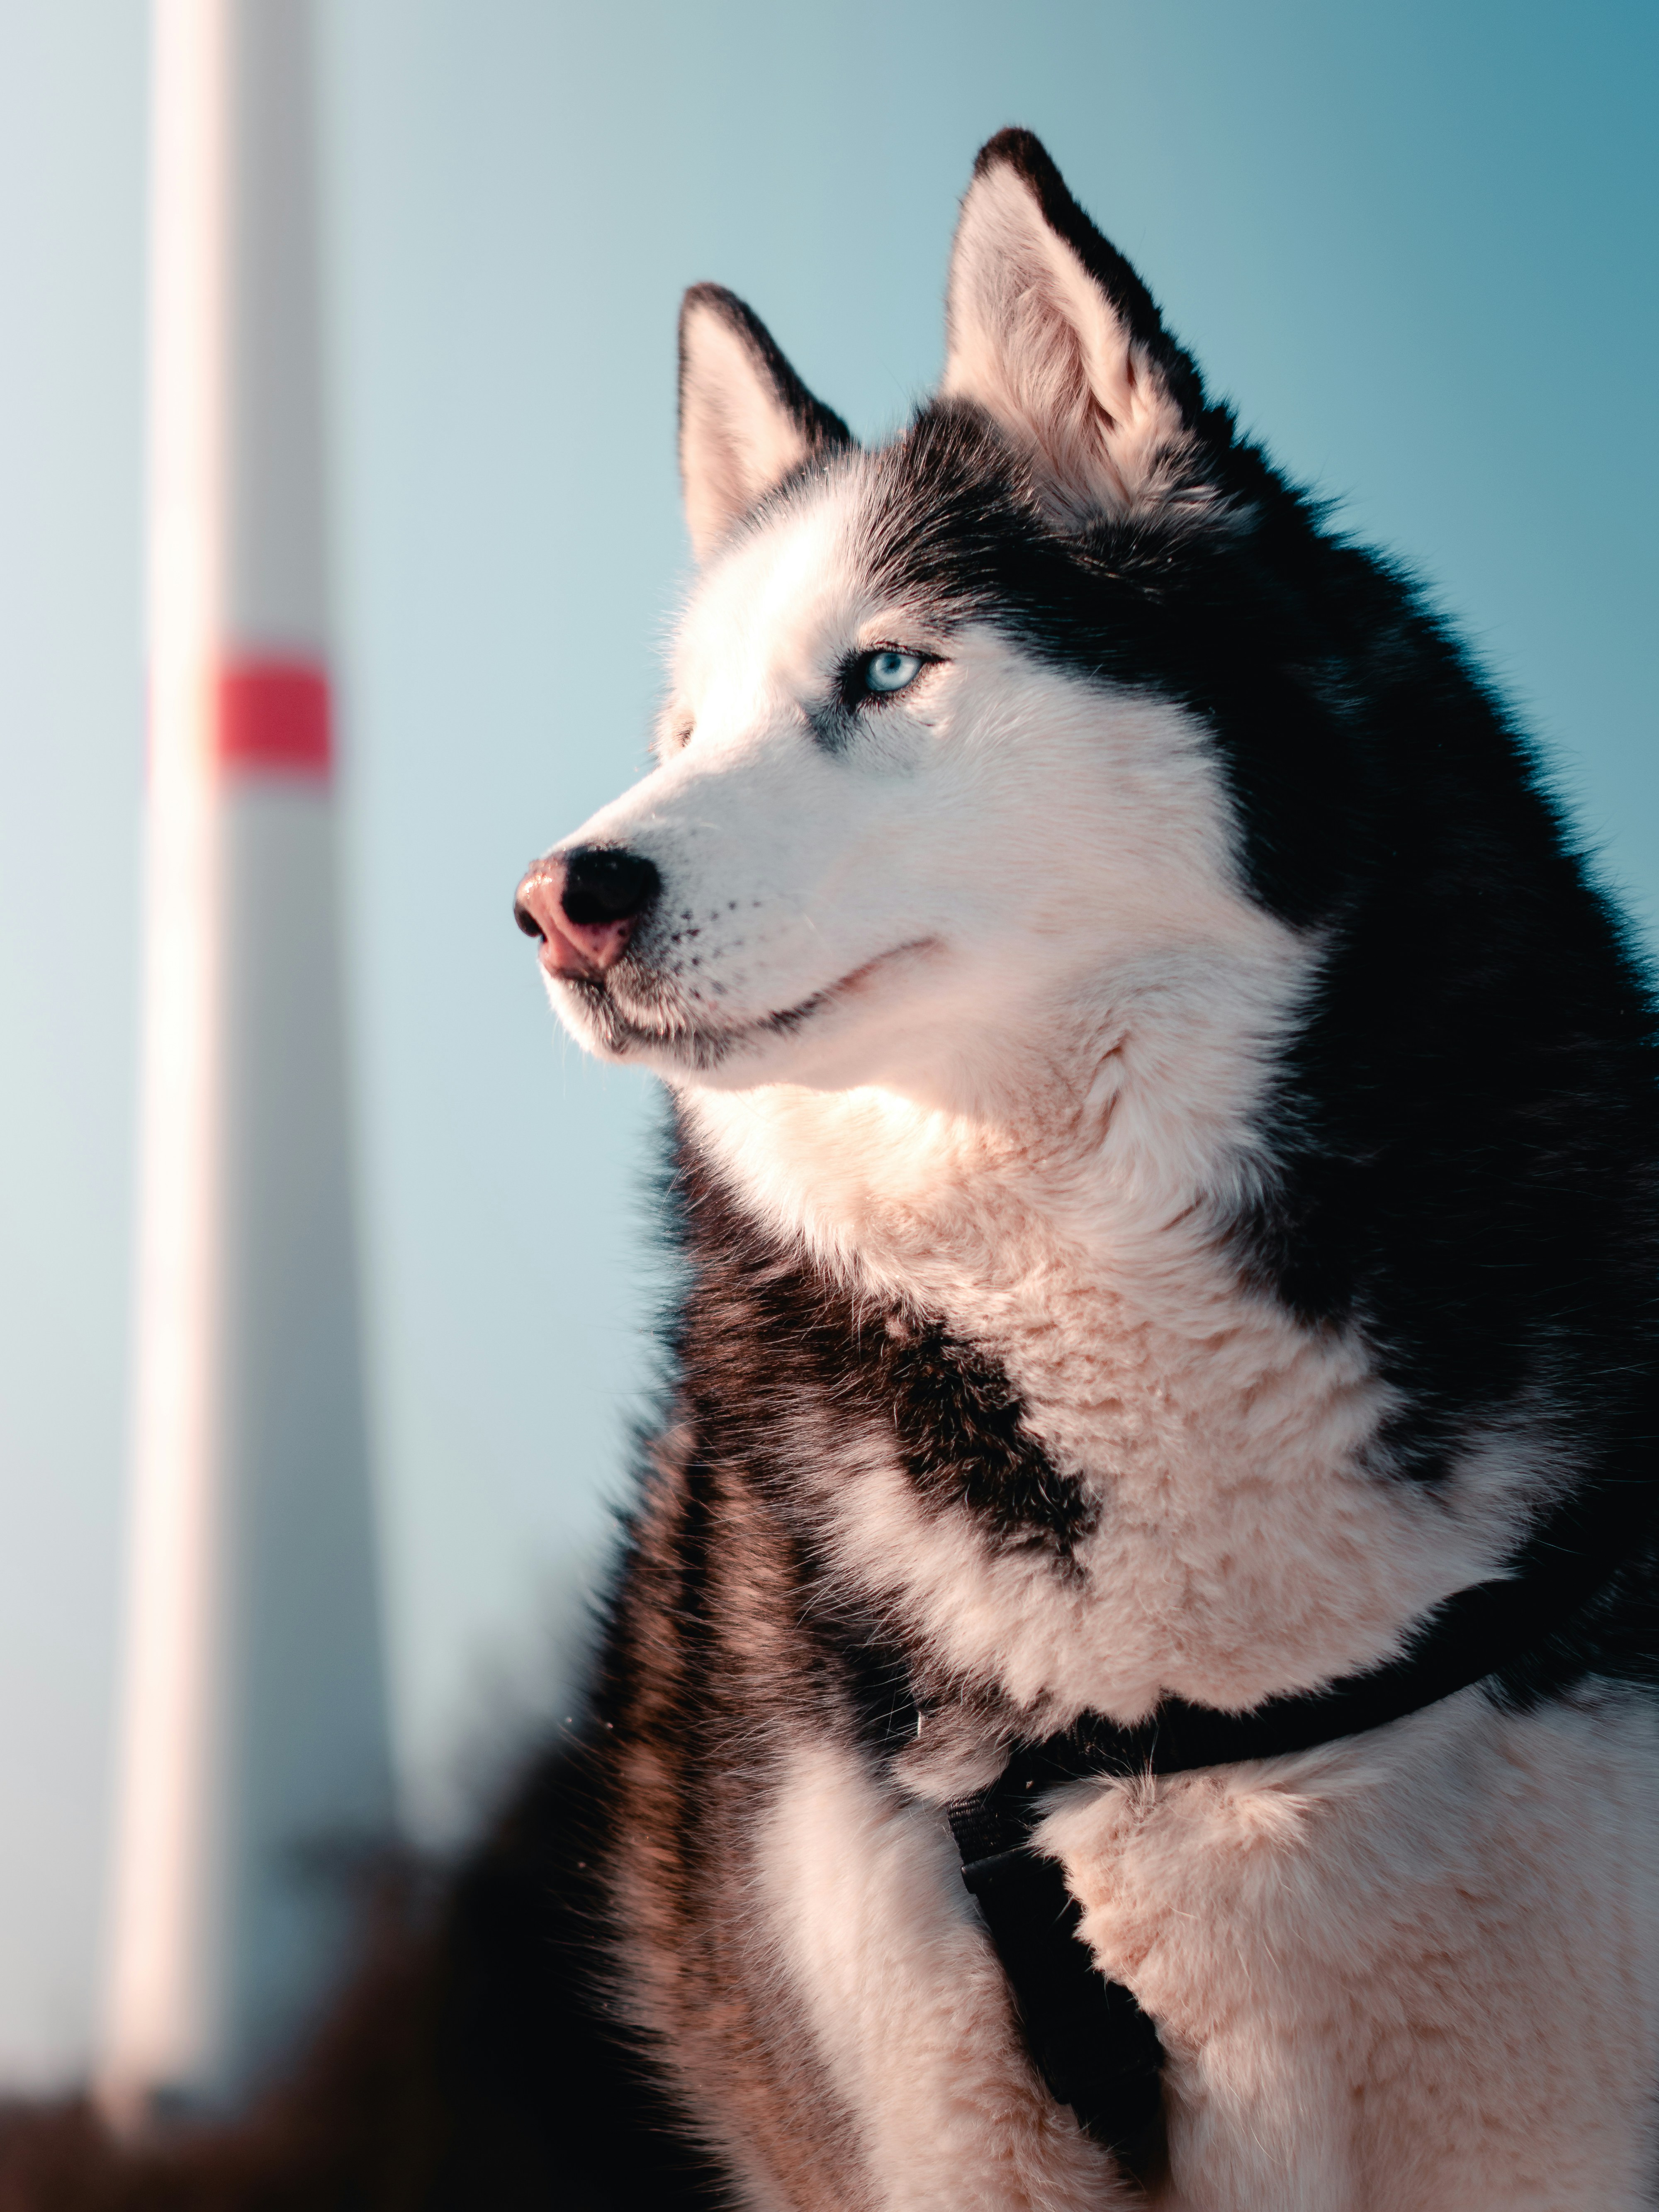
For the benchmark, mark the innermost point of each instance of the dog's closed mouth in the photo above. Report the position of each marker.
(705, 1044)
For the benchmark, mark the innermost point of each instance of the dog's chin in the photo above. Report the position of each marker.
(636, 1019)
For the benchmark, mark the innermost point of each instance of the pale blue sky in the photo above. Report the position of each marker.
(1414, 243)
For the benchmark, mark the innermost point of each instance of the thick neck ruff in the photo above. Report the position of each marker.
(1095, 2048)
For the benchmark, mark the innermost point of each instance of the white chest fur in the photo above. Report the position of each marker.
(1247, 1539)
(1352, 1955)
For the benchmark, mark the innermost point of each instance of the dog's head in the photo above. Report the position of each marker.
(940, 790)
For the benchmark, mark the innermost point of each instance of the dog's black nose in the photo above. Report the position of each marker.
(602, 884)
(584, 908)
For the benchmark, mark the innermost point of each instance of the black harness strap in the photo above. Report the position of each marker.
(1095, 2048)
(1089, 2040)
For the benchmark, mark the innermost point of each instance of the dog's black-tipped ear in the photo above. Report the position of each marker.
(746, 419)
(1052, 332)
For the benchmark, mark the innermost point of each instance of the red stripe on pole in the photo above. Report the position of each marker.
(273, 719)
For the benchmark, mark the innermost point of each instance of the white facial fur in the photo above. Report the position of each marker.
(992, 874)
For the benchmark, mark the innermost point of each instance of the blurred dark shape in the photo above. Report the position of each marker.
(468, 2066)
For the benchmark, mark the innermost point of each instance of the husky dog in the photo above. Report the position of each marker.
(1133, 1677)
(1167, 1179)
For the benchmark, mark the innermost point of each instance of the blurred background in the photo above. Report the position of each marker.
(1415, 244)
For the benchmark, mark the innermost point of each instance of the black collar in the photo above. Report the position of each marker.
(1095, 2048)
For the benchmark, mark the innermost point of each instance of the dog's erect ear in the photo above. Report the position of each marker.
(1052, 332)
(746, 419)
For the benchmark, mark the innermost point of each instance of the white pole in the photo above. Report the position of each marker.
(254, 1729)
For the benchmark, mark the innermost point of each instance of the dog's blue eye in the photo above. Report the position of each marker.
(890, 671)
